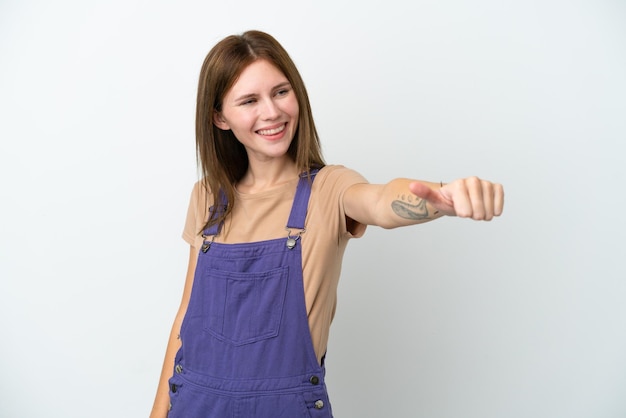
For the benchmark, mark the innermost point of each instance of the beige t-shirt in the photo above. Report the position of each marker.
(262, 216)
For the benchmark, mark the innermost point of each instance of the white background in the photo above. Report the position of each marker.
(521, 317)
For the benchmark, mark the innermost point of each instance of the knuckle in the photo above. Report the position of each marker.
(463, 213)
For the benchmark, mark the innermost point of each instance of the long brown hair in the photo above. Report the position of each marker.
(222, 158)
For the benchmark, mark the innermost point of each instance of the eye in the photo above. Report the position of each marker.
(283, 92)
(247, 102)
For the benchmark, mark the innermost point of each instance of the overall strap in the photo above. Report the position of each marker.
(218, 208)
(296, 217)
(301, 200)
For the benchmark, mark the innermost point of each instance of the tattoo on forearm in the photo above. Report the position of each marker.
(409, 207)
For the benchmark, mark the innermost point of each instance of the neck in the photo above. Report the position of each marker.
(266, 175)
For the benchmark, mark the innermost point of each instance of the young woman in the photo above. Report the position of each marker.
(267, 226)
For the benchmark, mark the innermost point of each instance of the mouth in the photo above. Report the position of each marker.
(272, 131)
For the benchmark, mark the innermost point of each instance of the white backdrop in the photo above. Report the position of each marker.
(521, 317)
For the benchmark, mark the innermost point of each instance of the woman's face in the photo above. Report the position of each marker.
(262, 111)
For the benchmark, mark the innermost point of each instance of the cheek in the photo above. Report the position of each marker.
(240, 121)
(294, 109)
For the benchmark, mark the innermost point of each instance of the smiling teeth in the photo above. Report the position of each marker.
(272, 131)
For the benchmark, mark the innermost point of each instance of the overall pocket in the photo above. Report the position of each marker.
(175, 385)
(243, 308)
(316, 404)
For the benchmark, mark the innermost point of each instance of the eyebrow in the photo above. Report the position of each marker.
(251, 95)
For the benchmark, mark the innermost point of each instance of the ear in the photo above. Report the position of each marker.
(219, 121)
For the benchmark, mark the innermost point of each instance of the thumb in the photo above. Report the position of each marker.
(435, 197)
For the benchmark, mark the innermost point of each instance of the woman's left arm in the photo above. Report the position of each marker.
(404, 202)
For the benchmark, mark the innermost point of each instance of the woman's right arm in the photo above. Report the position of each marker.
(162, 399)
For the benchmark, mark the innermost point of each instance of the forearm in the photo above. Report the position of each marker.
(161, 404)
(162, 399)
(389, 205)
(399, 207)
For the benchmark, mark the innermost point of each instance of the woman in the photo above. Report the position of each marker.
(267, 227)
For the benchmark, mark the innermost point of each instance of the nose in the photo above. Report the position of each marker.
(269, 110)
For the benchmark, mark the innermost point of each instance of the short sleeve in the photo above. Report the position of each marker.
(196, 216)
(331, 184)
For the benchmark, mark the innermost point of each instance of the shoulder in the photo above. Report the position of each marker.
(338, 175)
(327, 197)
(200, 198)
(332, 181)
(200, 187)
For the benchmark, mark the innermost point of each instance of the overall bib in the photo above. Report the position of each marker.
(246, 345)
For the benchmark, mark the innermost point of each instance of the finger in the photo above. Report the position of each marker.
(475, 193)
(420, 189)
(488, 199)
(498, 199)
(434, 197)
(461, 198)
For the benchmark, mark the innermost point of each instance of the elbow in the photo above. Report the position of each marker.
(387, 224)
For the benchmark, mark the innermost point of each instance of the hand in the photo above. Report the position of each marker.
(471, 197)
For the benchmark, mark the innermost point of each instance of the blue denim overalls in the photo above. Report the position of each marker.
(246, 345)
